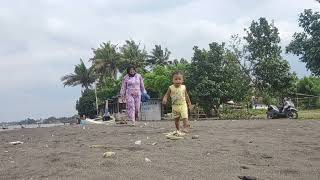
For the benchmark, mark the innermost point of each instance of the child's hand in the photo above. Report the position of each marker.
(164, 101)
(190, 106)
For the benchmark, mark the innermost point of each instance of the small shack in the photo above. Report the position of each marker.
(116, 105)
(257, 103)
(150, 110)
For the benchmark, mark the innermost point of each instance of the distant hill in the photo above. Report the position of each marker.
(53, 120)
(50, 120)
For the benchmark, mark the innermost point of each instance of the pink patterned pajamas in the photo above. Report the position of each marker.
(131, 89)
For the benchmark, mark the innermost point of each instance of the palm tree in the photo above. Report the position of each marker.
(158, 56)
(82, 76)
(132, 54)
(106, 60)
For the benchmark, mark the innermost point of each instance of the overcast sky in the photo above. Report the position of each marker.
(42, 40)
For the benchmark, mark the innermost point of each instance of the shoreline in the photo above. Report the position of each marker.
(31, 126)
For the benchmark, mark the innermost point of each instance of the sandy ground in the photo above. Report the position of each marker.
(265, 149)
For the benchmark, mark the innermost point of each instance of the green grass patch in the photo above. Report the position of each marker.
(243, 114)
(261, 114)
(309, 114)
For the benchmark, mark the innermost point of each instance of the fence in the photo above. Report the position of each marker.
(307, 102)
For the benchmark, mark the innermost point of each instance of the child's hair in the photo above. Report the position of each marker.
(178, 72)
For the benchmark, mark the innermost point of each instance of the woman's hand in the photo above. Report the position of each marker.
(123, 99)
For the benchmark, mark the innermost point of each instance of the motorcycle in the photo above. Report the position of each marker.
(289, 112)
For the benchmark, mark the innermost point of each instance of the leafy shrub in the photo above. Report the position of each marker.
(86, 105)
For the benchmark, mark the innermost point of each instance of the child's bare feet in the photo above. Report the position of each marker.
(186, 130)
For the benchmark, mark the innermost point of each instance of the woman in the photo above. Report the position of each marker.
(131, 90)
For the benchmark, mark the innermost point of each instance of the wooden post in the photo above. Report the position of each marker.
(118, 104)
(107, 107)
(95, 92)
(198, 112)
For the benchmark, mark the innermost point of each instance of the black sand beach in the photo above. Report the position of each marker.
(265, 149)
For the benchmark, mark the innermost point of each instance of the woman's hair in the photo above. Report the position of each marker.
(178, 72)
(130, 67)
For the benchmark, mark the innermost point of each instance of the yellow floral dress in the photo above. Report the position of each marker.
(179, 104)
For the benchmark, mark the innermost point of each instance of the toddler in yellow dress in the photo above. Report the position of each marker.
(180, 100)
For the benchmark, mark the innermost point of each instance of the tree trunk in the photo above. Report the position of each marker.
(216, 110)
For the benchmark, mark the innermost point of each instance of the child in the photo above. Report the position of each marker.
(180, 100)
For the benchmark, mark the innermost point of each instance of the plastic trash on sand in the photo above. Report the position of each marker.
(108, 154)
(147, 159)
(175, 135)
(137, 142)
(247, 177)
(98, 146)
(195, 137)
(16, 142)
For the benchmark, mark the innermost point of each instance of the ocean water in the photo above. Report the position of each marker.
(30, 126)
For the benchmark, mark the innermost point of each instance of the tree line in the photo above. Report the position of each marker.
(236, 70)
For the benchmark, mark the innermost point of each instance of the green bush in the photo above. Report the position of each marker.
(86, 105)
(239, 114)
(108, 89)
(243, 114)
